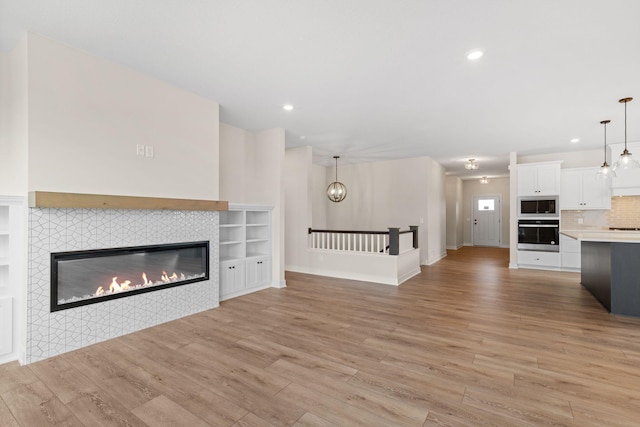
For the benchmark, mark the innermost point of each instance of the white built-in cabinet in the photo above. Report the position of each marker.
(11, 286)
(539, 179)
(581, 190)
(245, 250)
(570, 253)
(539, 260)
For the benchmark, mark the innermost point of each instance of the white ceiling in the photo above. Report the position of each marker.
(378, 79)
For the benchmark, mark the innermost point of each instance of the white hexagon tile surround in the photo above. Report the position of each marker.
(60, 230)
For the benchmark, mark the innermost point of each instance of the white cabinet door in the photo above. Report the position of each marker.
(595, 192)
(258, 272)
(581, 190)
(571, 190)
(527, 181)
(570, 253)
(539, 179)
(231, 277)
(548, 180)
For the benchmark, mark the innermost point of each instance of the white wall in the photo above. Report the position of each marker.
(472, 187)
(436, 229)
(394, 193)
(299, 190)
(319, 197)
(454, 202)
(251, 172)
(86, 116)
(14, 120)
(268, 188)
(233, 164)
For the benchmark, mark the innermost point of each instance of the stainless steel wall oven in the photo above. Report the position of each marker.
(539, 235)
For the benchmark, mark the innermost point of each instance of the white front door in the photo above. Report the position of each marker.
(486, 220)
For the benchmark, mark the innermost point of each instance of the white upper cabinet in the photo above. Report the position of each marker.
(580, 190)
(539, 179)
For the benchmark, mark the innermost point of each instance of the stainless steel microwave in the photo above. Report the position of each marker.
(538, 206)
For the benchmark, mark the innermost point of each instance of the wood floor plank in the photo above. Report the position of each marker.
(189, 394)
(12, 375)
(306, 359)
(35, 405)
(311, 420)
(525, 408)
(99, 409)
(6, 418)
(252, 420)
(401, 412)
(66, 382)
(333, 409)
(163, 412)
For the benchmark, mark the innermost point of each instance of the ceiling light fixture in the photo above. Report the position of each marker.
(625, 161)
(288, 107)
(574, 140)
(474, 54)
(605, 171)
(336, 192)
(471, 165)
(484, 180)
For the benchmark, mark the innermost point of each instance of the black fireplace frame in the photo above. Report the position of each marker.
(95, 253)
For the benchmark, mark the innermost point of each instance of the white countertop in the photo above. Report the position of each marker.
(603, 236)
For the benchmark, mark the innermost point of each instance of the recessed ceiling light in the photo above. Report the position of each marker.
(574, 140)
(474, 54)
(288, 107)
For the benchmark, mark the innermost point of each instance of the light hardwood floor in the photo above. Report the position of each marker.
(467, 342)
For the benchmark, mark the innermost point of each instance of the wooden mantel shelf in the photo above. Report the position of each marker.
(44, 199)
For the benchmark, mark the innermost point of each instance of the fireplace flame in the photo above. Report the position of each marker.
(118, 287)
(115, 286)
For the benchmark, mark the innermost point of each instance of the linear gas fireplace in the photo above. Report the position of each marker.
(87, 277)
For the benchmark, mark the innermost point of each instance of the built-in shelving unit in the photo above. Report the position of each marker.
(11, 255)
(245, 250)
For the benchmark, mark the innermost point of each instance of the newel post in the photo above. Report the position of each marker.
(394, 241)
(414, 229)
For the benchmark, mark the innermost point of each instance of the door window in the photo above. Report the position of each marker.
(486, 205)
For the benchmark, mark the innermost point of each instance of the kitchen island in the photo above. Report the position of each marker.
(610, 268)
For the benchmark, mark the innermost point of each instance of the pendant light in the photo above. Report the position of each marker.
(471, 165)
(625, 161)
(605, 171)
(484, 180)
(336, 192)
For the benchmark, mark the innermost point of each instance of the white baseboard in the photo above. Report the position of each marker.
(10, 357)
(339, 274)
(467, 244)
(434, 260)
(279, 284)
(403, 278)
(513, 265)
(454, 248)
(244, 292)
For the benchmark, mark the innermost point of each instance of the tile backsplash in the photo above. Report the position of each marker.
(625, 212)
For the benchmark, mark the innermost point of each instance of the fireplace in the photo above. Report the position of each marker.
(87, 277)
